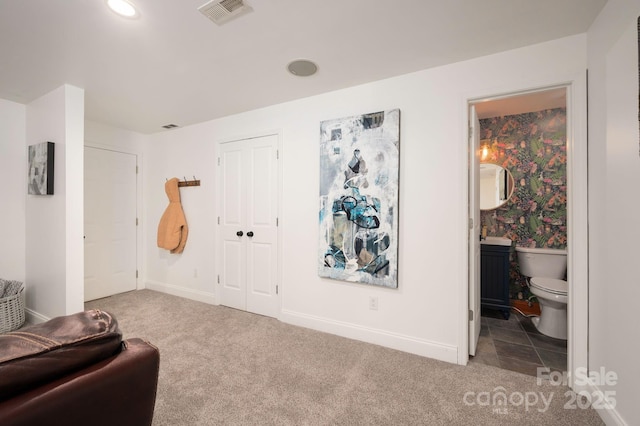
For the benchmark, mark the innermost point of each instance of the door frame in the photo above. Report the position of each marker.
(577, 214)
(474, 230)
(218, 211)
(139, 260)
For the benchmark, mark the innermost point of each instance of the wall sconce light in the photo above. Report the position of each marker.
(484, 149)
(485, 153)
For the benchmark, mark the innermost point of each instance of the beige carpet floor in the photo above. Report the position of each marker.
(223, 366)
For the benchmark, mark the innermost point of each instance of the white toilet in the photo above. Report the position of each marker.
(545, 270)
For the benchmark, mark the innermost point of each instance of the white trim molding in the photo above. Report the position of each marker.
(416, 346)
(187, 293)
(603, 402)
(33, 317)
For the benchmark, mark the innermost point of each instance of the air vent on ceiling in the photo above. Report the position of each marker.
(222, 11)
(170, 126)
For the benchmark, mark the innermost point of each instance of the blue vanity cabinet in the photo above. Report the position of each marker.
(494, 278)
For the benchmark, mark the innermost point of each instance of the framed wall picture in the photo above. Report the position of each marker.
(41, 159)
(359, 169)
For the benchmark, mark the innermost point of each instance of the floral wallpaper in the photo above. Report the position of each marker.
(532, 147)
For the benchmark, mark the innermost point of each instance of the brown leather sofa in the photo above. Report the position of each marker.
(76, 370)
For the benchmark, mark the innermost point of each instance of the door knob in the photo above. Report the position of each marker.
(250, 234)
(239, 234)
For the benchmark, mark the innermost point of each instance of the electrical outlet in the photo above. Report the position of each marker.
(373, 303)
(195, 273)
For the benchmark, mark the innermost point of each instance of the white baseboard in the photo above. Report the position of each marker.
(33, 317)
(370, 335)
(187, 293)
(352, 331)
(608, 413)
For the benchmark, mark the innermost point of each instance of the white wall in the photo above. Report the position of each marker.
(13, 172)
(613, 231)
(101, 135)
(54, 246)
(170, 154)
(424, 314)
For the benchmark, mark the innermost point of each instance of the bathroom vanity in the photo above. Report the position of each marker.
(494, 274)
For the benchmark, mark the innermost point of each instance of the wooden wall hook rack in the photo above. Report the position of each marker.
(194, 182)
(185, 182)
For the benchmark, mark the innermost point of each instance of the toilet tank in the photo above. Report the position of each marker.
(542, 262)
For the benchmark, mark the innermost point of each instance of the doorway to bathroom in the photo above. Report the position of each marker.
(522, 189)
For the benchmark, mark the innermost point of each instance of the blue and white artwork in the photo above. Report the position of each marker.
(359, 169)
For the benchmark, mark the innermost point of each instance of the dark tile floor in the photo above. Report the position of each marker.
(516, 345)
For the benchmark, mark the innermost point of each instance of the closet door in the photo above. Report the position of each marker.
(110, 245)
(248, 243)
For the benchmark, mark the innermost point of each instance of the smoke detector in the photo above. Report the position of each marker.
(222, 11)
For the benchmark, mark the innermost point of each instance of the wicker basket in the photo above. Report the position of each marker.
(12, 312)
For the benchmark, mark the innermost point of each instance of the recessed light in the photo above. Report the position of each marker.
(123, 8)
(302, 68)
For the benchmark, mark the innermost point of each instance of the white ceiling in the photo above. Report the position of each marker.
(173, 65)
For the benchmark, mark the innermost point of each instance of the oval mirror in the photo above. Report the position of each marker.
(496, 186)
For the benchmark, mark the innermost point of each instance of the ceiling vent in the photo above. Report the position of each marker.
(222, 11)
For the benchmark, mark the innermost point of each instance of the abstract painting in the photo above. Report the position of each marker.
(359, 170)
(40, 177)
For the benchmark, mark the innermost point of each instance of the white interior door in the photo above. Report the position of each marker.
(474, 230)
(109, 223)
(248, 225)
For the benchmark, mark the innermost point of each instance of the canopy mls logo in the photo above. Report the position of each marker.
(500, 401)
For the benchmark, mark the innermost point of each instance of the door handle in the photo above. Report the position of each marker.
(239, 234)
(250, 234)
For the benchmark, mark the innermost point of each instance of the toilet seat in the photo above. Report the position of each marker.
(550, 285)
